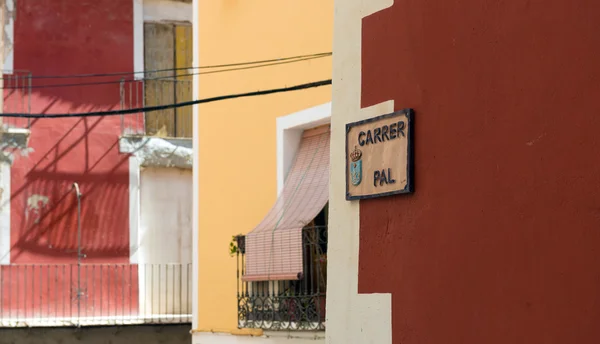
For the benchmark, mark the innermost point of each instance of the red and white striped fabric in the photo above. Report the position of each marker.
(274, 247)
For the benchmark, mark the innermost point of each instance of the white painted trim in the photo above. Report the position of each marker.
(112, 320)
(135, 235)
(154, 10)
(143, 303)
(269, 337)
(9, 28)
(195, 149)
(5, 213)
(134, 211)
(138, 38)
(289, 134)
(167, 10)
(157, 152)
(351, 317)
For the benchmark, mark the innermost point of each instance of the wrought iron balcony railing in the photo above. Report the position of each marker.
(94, 294)
(287, 305)
(172, 123)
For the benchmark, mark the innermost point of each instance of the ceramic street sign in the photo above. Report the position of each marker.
(379, 156)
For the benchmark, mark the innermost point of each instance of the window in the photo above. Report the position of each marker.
(282, 263)
(167, 55)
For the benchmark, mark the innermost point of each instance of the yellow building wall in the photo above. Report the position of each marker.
(237, 138)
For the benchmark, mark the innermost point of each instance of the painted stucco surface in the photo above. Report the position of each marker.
(69, 37)
(165, 240)
(351, 317)
(273, 337)
(59, 37)
(499, 242)
(237, 175)
(157, 152)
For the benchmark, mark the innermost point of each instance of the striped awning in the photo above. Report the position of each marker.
(274, 247)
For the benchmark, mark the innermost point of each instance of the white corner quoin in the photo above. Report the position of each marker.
(289, 134)
(9, 38)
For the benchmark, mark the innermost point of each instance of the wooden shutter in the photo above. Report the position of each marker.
(183, 87)
(159, 54)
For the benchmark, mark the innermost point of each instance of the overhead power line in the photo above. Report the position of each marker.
(171, 106)
(166, 78)
(67, 76)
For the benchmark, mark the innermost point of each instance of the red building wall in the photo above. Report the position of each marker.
(62, 37)
(500, 242)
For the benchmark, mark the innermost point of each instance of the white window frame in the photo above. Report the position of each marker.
(154, 11)
(289, 134)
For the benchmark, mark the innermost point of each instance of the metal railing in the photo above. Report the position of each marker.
(17, 97)
(103, 294)
(176, 123)
(287, 305)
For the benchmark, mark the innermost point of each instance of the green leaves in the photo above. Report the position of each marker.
(233, 249)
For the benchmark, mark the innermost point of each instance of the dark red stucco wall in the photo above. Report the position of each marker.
(501, 241)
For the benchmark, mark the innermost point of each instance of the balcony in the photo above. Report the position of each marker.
(167, 123)
(94, 294)
(297, 305)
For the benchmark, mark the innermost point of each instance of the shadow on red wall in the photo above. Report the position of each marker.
(63, 37)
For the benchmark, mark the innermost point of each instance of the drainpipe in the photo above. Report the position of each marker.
(79, 253)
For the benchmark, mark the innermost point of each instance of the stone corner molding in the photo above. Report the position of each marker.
(374, 6)
(352, 317)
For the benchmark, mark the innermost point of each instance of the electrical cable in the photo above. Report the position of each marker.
(170, 106)
(166, 77)
(180, 68)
